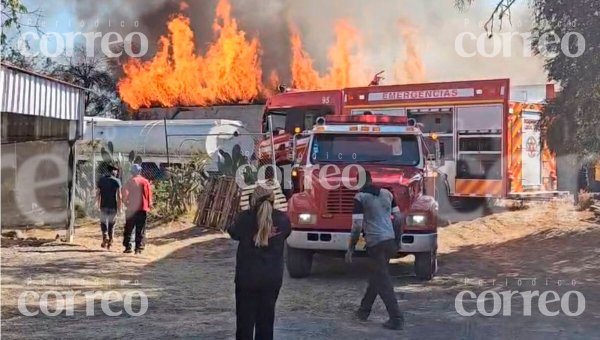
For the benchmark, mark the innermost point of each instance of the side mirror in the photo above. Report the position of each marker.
(294, 145)
(437, 157)
(439, 154)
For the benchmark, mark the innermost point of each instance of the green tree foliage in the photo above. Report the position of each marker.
(571, 120)
(176, 194)
(13, 15)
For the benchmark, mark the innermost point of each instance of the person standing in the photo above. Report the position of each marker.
(137, 195)
(108, 197)
(261, 232)
(373, 208)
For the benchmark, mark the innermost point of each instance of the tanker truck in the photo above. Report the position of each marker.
(158, 145)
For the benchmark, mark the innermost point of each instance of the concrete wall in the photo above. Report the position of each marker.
(34, 183)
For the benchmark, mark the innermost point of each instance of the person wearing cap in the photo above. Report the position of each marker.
(108, 198)
(137, 195)
(261, 232)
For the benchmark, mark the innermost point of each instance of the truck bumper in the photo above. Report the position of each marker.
(417, 243)
(317, 240)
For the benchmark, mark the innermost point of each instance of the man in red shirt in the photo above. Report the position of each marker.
(137, 195)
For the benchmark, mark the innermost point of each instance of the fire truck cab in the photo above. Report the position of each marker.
(327, 160)
(293, 110)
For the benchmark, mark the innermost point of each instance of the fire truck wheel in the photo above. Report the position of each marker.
(299, 262)
(426, 265)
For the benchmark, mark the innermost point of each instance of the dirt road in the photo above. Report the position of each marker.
(187, 274)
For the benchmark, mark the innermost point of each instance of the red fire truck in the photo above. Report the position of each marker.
(328, 160)
(490, 146)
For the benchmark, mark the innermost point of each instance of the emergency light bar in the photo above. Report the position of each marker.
(367, 119)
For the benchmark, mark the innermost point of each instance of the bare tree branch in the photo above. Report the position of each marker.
(501, 11)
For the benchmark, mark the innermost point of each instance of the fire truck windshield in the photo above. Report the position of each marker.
(354, 148)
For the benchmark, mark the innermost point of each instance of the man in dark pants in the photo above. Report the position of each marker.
(138, 199)
(108, 197)
(373, 208)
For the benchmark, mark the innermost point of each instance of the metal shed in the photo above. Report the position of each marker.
(37, 107)
(41, 119)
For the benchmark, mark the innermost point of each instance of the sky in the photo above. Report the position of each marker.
(437, 23)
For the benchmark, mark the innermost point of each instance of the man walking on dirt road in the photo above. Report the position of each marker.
(137, 195)
(373, 208)
(108, 196)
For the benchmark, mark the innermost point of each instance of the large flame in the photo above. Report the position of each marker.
(411, 69)
(347, 67)
(229, 71)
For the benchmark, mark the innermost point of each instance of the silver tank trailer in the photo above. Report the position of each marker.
(186, 137)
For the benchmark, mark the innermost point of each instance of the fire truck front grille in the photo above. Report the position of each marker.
(340, 201)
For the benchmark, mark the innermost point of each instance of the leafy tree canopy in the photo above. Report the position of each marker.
(572, 119)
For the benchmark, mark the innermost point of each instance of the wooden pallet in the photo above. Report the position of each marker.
(222, 199)
(217, 204)
(280, 200)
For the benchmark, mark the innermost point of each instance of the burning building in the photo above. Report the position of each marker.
(230, 69)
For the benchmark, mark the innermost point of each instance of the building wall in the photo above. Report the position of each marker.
(39, 116)
(34, 183)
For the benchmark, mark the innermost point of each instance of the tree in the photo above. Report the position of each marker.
(570, 121)
(96, 74)
(501, 11)
(13, 15)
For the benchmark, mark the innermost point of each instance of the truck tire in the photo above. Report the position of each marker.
(426, 265)
(299, 262)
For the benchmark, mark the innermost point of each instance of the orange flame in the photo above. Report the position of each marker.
(304, 76)
(412, 69)
(229, 71)
(274, 79)
(347, 68)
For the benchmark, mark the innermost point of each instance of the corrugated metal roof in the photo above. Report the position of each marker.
(28, 93)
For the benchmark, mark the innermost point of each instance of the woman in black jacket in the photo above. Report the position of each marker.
(261, 231)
